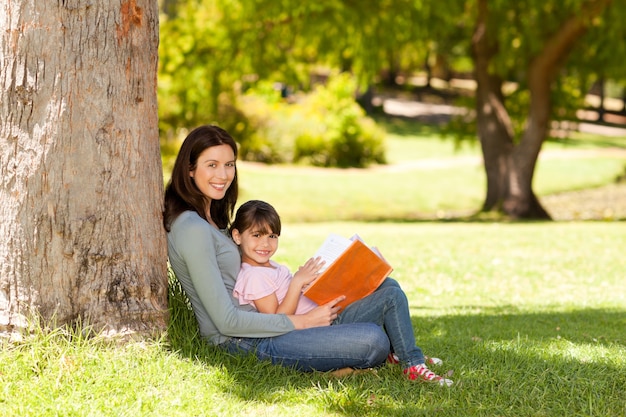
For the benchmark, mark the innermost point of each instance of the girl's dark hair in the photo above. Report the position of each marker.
(256, 213)
(182, 194)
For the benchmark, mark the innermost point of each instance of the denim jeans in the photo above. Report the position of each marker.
(388, 307)
(357, 345)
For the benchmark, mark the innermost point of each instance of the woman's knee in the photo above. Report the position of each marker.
(393, 294)
(374, 344)
(389, 283)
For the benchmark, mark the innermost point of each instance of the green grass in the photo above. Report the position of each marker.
(530, 318)
(445, 188)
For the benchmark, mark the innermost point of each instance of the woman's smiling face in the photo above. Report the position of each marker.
(214, 171)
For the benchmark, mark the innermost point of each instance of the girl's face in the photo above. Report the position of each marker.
(257, 247)
(215, 171)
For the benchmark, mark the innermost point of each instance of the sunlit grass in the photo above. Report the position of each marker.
(529, 317)
(444, 188)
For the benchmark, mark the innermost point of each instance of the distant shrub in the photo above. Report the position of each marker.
(325, 128)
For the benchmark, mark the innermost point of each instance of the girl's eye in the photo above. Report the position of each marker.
(272, 236)
(230, 164)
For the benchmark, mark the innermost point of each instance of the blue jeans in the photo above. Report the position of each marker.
(357, 345)
(388, 307)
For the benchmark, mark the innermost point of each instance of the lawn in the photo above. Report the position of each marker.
(528, 317)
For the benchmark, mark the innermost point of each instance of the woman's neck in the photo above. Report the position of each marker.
(207, 214)
(212, 223)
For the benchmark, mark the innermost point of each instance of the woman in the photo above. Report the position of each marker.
(199, 201)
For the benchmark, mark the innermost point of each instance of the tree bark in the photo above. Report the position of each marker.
(80, 172)
(493, 123)
(510, 167)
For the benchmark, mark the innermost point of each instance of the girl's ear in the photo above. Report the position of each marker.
(236, 236)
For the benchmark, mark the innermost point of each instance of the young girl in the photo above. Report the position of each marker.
(270, 288)
(266, 285)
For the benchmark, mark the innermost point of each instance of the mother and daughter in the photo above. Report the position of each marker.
(199, 202)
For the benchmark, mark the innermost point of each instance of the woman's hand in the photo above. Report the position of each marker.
(320, 316)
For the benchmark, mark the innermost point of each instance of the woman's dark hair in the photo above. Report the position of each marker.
(182, 194)
(256, 213)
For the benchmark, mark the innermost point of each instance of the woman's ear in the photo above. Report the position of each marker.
(236, 236)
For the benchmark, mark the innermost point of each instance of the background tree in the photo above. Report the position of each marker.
(527, 42)
(81, 181)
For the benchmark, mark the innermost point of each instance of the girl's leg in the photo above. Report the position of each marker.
(388, 307)
(358, 345)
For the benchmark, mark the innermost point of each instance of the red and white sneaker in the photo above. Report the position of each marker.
(393, 358)
(433, 361)
(422, 373)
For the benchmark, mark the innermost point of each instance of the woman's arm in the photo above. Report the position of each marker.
(194, 250)
(202, 260)
(322, 315)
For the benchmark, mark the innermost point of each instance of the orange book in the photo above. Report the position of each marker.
(352, 269)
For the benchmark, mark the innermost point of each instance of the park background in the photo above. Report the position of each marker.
(528, 315)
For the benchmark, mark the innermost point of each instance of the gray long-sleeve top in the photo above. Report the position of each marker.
(206, 262)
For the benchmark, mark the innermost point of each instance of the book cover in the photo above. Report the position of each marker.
(352, 269)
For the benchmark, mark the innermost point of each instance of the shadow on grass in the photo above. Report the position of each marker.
(578, 326)
(451, 217)
(505, 362)
(595, 141)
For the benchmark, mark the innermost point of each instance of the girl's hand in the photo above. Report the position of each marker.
(308, 272)
(320, 316)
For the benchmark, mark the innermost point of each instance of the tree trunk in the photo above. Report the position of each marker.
(509, 166)
(80, 172)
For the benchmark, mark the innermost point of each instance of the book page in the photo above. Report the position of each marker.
(373, 248)
(331, 249)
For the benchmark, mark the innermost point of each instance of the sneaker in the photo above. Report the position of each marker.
(394, 359)
(433, 361)
(422, 373)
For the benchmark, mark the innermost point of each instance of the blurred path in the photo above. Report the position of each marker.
(440, 113)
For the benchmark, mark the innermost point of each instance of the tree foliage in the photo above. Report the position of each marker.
(539, 58)
(325, 128)
(210, 50)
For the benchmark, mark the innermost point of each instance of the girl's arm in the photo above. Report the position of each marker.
(200, 257)
(304, 276)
